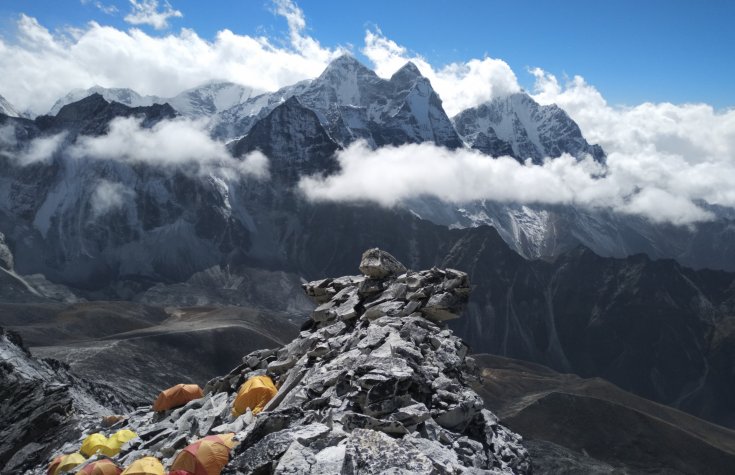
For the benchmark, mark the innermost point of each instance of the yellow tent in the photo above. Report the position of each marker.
(68, 462)
(254, 394)
(145, 466)
(116, 441)
(93, 443)
(205, 457)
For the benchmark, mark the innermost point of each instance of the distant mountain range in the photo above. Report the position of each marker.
(653, 327)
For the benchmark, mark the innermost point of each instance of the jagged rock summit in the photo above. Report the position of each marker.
(371, 385)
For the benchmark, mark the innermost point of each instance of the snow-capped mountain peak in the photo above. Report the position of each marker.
(211, 98)
(517, 123)
(122, 95)
(406, 74)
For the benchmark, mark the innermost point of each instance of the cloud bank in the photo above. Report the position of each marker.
(45, 66)
(392, 175)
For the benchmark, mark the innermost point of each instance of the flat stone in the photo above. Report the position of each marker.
(389, 309)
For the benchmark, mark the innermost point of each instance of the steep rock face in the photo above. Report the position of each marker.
(294, 140)
(50, 208)
(353, 103)
(43, 405)
(518, 123)
(356, 104)
(370, 384)
(91, 115)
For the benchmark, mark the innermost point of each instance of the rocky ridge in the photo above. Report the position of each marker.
(43, 405)
(373, 383)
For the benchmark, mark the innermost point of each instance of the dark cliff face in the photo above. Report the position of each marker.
(294, 140)
(91, 115)
(519, 127)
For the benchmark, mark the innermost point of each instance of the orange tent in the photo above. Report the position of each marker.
(101, 467)
(254, 394)
(203, 457)
(176, 396)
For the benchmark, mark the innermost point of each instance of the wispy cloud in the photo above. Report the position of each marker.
(180, 143)
(39, 150)
(109, 196)
(147, 12)
(109, 9)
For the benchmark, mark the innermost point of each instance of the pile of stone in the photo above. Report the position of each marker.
(373, 383)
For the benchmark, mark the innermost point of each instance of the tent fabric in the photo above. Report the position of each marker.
(145, 466)
(101, 467)
(254, 394)
(92, 443)
(54, 465)
(176, 396)
(204, 457)
(224, 439)
(116, 441)
(68, 462)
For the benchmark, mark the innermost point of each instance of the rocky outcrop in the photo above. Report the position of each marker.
(373, 384)
(43, 405)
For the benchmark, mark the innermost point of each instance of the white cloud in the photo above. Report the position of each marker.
(40, 66)
(179, 143)
(40, 150)
(694, 131)
(460, 85)
(108, 196)
(146, 12)
(7, 136)
(391, 175)
(109, 9)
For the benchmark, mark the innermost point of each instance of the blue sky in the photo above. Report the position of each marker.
(631, 51)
